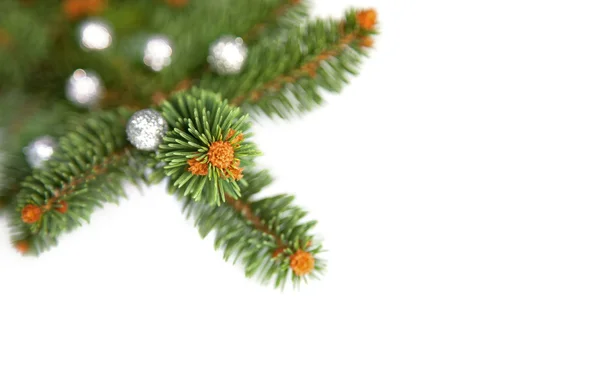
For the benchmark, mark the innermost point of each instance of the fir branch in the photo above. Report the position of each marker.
(287, 76)
(266, 235)
(89, 168)
(308, 69)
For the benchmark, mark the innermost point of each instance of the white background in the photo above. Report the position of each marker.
(456, 184)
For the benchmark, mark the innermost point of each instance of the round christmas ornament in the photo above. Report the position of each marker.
(40, 151)
(95, 35)
(228, 55)
(146, 129)
(157, 52)
(84, 88)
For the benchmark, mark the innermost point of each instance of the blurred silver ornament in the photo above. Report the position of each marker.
(40, 151)
(146, 129)
(157, 52)
(84, 88)
(95, 35)
(228, 55)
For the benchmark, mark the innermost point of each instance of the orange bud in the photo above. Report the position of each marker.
(75, 9)
(197, 168)
(62, 207)
(367, 19)
(31, 214)
(221, 154)
(302, 262)
(22, 246)
(177, 3)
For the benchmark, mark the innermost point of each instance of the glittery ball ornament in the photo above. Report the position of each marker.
(84, 88)
(228, 55)
(157, 52)
(146, 129)
(95, 35)
(40, 151)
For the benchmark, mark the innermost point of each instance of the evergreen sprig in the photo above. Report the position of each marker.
(287, 75)
(267, 236)
(206, 149)
(89, 168)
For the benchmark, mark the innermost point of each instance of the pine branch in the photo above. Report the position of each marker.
(206, 149)
(282, 77)
(267, 236)
(89, 168)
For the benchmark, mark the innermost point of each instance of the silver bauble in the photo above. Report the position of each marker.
(146, 129)
(157, 52)
(84, 88)
(95, 35)
(228, 55)
(40, 151)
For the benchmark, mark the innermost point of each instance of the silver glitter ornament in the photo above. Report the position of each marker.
(228, 55)
(146, 129)
(157, 52)
(95, 35)
(84, 88)
(40, 151)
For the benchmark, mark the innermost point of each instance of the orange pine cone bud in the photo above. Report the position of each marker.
(197, 168)
(367, 19)
(177, 3)
(31, 214)
(237, 173)
(221, 154)
(63, 207)
(239, 138)
(22, 246)
(302, 262)
(75, 9)
(230, 134)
